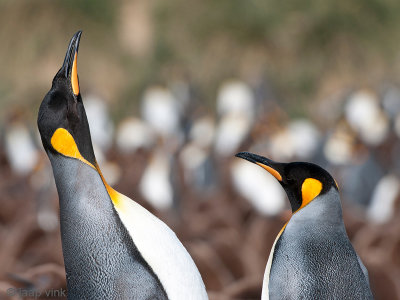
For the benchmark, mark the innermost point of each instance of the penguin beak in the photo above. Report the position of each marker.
(69, 67)
(274, 168)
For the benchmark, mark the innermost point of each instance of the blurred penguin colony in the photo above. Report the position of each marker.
(177, 159)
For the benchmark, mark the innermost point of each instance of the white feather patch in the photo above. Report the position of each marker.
(162, 250)
(265, 288)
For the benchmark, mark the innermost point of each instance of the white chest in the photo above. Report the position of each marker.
(163, 251)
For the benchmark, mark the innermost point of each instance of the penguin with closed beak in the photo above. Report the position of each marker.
(113, 248)
(312, 257)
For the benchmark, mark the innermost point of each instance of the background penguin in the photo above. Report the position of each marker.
(113, 248)
(312, 257)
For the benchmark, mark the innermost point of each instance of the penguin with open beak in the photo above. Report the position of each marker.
(312, 257)
(113, 248)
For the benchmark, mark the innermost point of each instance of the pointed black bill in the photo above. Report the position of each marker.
(274, 168)
(70, 55)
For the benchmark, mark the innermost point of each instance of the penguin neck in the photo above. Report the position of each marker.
(325, 210)
(97, 248)
(82, 194)
(69, 172)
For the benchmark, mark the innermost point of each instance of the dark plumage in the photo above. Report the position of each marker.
(312, 257)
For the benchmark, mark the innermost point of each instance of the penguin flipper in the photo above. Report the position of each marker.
(363, 268)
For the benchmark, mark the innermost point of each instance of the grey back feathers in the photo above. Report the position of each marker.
(101, 260)
(314, 259)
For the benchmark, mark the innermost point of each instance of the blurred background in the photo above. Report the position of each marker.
(173, 89)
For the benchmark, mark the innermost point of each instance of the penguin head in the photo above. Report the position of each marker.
(62, 121)
(302, 181)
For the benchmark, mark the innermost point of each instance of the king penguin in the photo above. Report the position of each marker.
(312, 257)
(113, 248)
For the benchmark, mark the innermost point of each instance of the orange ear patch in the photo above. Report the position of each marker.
(272, 171)
(74, 76)
(64, 143)
(309, 190)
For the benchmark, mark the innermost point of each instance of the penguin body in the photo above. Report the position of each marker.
(317, 229)
(99, 255)
(312, 257)
(113, 248)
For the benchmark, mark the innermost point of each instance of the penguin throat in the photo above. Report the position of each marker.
(294, 199)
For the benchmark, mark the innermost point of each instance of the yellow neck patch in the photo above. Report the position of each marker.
(64, 143)
(272, 171)
(309, 190)
(74, 76)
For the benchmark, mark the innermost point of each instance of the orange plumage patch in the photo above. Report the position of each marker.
(309, 190)
(64, 143)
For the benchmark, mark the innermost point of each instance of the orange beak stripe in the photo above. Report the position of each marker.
(272, 171)
(74, 77)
